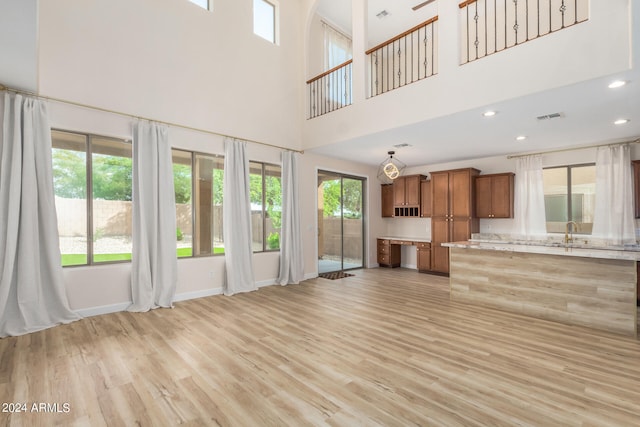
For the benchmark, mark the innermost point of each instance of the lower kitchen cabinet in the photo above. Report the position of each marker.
(388, 254)
(424, 257)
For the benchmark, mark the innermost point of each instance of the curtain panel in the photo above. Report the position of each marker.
(530, 221)
(32, 290)
(291, 257)
(154, 259)
(613, 219)
(236, 218)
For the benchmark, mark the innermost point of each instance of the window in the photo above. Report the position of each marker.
(202, 3)
(208, 188)
(569, 195)
(183, 184)
(92, 183)
(266, 205)
(264, 20)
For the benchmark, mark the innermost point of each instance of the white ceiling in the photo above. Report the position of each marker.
(588, 108)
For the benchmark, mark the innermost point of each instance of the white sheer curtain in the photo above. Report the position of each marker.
(236, 220)
(613, 218)
(154, 259)
(530, 222)
(32, 291)
(291, 259)
(337, 47)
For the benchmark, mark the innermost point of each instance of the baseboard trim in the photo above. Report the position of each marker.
(103, 309)
(185, 296)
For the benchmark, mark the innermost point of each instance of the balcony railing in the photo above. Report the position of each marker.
(330, 90)
(489, 26)
(405, 59)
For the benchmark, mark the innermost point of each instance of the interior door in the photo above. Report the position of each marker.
(340, 222)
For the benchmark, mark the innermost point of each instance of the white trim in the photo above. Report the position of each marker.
(103, 309)
(411, 266)
(263, 283)
(197, 294)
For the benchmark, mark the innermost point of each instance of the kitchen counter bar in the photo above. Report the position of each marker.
(576, 286)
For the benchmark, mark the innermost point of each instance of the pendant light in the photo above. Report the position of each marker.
(390, 169)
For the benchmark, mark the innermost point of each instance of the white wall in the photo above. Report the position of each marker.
(173, 61)
(19, 44)
(595, 48)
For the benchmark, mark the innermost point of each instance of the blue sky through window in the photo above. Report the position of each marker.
(202, 3)
(264, 21)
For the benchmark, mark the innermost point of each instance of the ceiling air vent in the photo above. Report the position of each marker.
(423, 4)
(551, 116)
(382, 14)
(404, 144)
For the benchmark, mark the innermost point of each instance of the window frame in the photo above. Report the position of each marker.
(89, 199)
(569, 194)
(275, 39)
(263, 166)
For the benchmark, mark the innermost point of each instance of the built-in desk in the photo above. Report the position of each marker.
(389, 253)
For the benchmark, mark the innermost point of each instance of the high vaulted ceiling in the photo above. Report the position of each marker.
(588, 109)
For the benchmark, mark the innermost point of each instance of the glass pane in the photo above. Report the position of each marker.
(202, 3)
(264, 20)
(111, 184)
(255, 197)
(208, 205)
(352, 224)
(273, 208)
(69, 157)
(329, 222)
(182, 182)
(583, 195)
(555, 198)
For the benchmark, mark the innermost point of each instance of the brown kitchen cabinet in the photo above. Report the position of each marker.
(452, 213)
(406, 195)
(424, 256)
(388, 254)
(386, 197)
(636, 185)
(425, 198)
(494, 195)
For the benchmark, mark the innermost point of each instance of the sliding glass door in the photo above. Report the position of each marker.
(340, 222)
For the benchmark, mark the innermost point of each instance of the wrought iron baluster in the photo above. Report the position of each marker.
(562, 9)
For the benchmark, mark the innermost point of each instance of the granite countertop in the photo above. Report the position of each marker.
(406, 238)
(630, 253)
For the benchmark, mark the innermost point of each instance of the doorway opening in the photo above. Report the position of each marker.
(341, 223)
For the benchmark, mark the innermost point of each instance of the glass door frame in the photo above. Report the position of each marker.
(364, 179)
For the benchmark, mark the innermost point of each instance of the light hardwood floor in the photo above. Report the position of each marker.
(385, 347)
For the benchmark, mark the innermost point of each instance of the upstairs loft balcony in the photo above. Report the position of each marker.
(485, 27)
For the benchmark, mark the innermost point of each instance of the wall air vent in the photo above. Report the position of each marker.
(382, 14)
(423, 4)
(551, 116)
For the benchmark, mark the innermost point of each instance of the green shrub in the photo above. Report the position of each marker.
(179, 234)
(273, 241)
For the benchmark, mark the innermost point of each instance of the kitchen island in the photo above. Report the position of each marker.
(585, 286)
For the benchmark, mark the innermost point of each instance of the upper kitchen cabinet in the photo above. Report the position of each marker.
(425, 198)
(494, 195)
(406, 195)
(386, 200)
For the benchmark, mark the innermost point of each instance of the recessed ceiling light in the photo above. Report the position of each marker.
(521, 138)
(621, 121)
(489, 113)
(616, 84)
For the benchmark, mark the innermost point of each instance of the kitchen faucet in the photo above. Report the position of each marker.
(568, 239)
